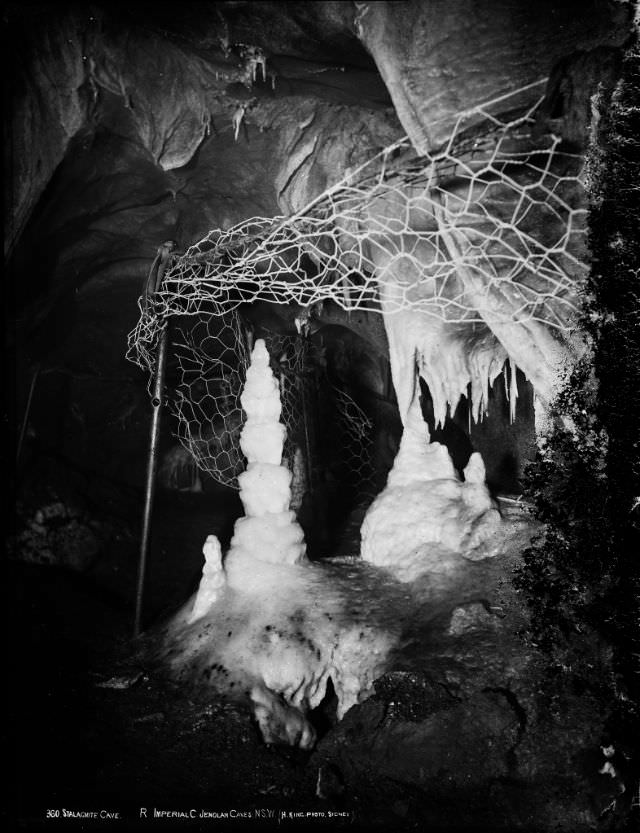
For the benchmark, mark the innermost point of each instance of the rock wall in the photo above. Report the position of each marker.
(439, 59)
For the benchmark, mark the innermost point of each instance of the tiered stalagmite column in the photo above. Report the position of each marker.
(268, 533)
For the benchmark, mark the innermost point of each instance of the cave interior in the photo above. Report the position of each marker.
(134, 124)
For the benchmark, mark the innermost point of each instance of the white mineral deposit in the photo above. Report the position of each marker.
(426, 514)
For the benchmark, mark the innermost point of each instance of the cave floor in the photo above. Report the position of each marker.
(81, 746)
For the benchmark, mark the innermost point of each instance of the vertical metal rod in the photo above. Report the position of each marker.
(152, 466)
(27, 411)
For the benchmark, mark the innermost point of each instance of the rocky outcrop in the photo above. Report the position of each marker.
(464, 737)
(440, 59)
(50, 104)
(177, 87)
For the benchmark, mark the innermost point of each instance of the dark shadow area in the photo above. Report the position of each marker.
(505, 446)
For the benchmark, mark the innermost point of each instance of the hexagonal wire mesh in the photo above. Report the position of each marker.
(209, 361)
(488, 228)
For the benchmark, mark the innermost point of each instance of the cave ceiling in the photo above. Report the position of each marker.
(132, 124)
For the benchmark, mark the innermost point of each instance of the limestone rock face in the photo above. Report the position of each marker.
(49, 98)
(424, 52)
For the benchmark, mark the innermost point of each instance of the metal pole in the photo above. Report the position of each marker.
(152, 465)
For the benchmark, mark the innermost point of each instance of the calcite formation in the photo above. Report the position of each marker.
(268, 532)
(212, 580)
(426, 514)
(267, 621)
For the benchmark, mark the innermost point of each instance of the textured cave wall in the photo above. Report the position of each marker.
(121, 136)
(148, 153)
(439, 59)
(179, 72)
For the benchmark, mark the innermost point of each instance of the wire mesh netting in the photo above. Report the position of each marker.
(355, 440)
(207, 371)
(210, 356)
(488, 228)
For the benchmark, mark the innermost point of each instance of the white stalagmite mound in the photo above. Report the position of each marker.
(426, 513)
(268, 532)
(212, 580)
